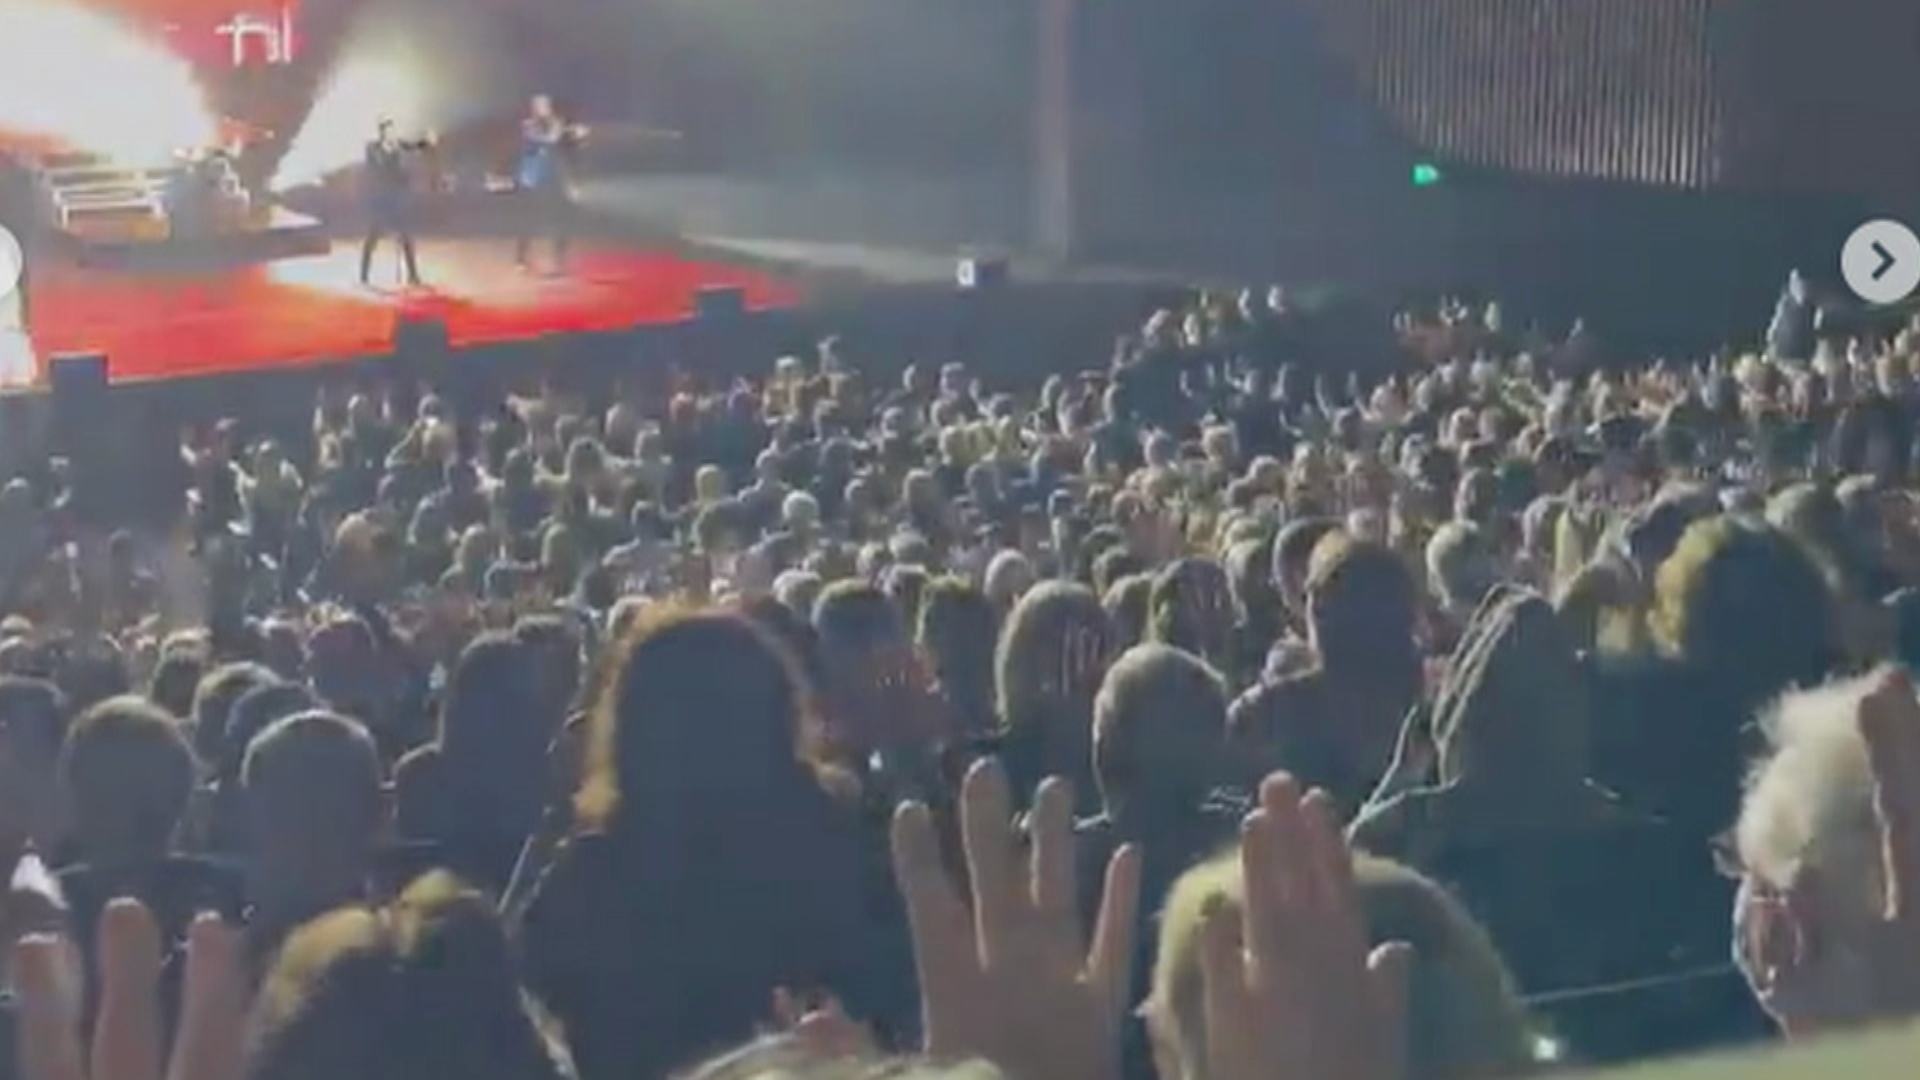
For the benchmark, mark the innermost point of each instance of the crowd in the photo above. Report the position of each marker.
(1203, 715)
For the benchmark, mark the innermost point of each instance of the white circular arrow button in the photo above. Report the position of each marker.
(1881, 262)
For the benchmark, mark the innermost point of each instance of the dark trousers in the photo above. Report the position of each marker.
(545, 211)
(389, 217)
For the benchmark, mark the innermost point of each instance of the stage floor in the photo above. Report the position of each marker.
(307, 310)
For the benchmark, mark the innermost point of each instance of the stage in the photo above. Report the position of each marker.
(658, 240)
(155, 324)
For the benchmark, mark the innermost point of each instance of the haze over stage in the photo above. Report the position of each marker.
(96, 83)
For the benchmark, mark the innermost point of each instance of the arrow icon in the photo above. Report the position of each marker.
(1881, 261)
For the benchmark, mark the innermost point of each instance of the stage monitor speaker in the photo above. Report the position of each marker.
(982, 272)
(420, 353)
(77, 383)
(720, 302)
(85, 433)
(416, 338)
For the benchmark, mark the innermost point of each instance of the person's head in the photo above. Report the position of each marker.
(1110, 563)
(33, 726)
(1460, 565)
(384, 132)
(1127, 601)
(1191, 607)
(1249, 566)
(1813, 515)
(341, 655)
(1871, 435)
(800, 512)
(1159, 730)
(586, 461)
(213, 702)
(174, 681)
(517, 471)
(461, 477)
(495, 727)
(1811, 882)
(1361, 611)
(1009, 575)
(540, 105)
(905, 584)
(1464, 1020)
(311, 790)
(257, 710)
(709, 484)
(89, 669)
(799, 590)
(476, 550)
(1746, 607)
(365, 560)
(1539, 524)
(558, 657)
(862, 634)
(657, 757)
(128, 775)
(560, 558)
(909, 548)
(955, 634)
(346, 994)
(1293, 556)
(1052, 650)
(1477, 497)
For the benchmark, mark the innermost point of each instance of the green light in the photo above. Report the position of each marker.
(1426, 174)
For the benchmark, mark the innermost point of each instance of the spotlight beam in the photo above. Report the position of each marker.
(97, 84)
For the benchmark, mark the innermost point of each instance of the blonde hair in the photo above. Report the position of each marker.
(1809, 800)
(1464, 1019)
(346, 993)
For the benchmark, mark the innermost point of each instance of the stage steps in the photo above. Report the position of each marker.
(90, 198)
(90, 195)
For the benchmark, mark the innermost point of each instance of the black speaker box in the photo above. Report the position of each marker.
(77, 384)
(416, 339)
(720, 302)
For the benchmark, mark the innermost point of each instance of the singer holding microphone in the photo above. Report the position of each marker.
(389, 181)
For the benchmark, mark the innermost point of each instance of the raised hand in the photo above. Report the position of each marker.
(1890, 724)
(1291, 988)
(128, 1042)
(1083, 663)
(1012, 981)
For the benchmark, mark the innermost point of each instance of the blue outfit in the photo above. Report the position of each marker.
(540, 176)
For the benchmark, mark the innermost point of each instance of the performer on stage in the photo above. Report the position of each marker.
(389, 197)
(547, 143)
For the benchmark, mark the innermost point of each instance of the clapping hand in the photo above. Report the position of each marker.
(128, 1041)
(1291, 987)
(1890, 724)
(1012, 981)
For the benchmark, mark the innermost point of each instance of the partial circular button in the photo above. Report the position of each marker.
(1881, 262)
(13, 262)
